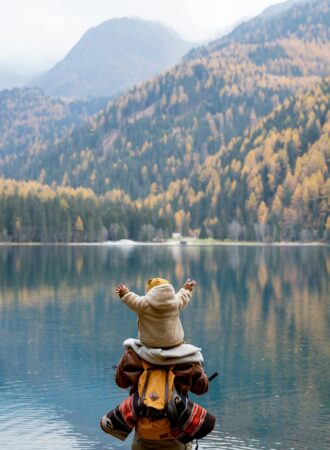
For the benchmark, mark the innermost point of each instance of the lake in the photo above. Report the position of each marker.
(260, 314)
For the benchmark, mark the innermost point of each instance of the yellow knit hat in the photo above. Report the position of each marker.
(155, 282)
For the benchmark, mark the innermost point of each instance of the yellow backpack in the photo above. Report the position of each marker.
(155, 389)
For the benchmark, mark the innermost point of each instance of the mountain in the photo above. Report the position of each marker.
(174, 121)
(293, 43)
(112, 57)
(233, 142)
(299, 32)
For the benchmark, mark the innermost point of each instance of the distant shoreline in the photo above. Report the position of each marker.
(171, 242)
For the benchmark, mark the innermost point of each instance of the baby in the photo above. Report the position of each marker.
(158, 311)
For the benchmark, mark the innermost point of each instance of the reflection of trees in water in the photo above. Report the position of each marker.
(265, 324)
(265, 282)
(272, 293)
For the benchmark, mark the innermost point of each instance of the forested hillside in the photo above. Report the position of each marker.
(199, 105)
(272, 183)
(306, 20)
(232, 143)
(31, 121)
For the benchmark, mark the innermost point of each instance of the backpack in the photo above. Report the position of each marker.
(156, 385)
(158, 411)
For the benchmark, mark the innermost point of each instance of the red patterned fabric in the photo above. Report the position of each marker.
(127, 410)
(195, 420)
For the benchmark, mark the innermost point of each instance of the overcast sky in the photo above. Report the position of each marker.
(34, 34)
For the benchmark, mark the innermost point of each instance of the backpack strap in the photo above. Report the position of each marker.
(144, 390)
(166, 390)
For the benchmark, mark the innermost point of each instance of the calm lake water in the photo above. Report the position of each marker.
(260, 314)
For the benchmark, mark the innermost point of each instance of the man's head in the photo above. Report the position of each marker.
(155, 282)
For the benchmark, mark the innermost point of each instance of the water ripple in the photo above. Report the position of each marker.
(27, 425)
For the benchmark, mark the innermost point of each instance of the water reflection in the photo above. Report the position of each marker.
(261, 315)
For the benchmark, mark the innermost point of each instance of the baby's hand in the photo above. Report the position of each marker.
(121, 290)
(190, 284)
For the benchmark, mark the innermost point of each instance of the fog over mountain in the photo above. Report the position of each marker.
(11, 77)
(113, 56)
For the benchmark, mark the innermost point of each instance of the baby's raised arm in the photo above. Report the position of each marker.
(184, 294)
(121, 290)
(133, 301)
(190, 284)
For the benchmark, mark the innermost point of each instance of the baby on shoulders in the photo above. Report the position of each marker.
(161, 370)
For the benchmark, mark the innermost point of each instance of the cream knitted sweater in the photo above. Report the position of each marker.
(158, 313)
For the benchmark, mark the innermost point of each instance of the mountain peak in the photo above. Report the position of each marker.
(112, 56)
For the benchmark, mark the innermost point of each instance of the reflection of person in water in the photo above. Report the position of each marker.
(157, 357)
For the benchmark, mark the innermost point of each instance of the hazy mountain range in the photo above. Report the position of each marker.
(10, 77)
(113, 56)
